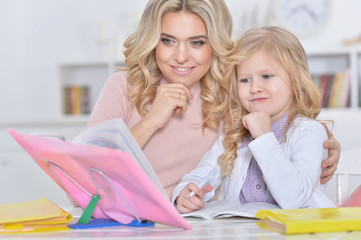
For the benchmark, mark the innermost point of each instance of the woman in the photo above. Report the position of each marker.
(172, 94)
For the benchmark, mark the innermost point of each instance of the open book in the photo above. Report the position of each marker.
(105, 160)
(227, 208)
(115, 134)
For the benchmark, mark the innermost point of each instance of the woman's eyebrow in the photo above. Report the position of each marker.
(198, 37)
(167, 35)
(193, 37)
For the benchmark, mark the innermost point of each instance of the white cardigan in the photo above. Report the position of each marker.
(291, 169)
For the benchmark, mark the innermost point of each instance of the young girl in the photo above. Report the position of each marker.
(271, 148)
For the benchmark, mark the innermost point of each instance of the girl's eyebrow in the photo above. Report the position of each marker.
(193, 37)
(243, 75)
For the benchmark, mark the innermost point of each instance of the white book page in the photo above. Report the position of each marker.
(211, 208)
(245, 210)
(115, 134)
(227, 208)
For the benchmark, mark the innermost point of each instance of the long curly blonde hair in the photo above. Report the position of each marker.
(144, 74)
(284, 48)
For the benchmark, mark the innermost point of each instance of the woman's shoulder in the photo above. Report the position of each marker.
(116, 83)
(118, 78)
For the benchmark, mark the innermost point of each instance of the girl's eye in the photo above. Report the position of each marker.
(198, 43)
(245, 80)
(167, 41)
(267, 76)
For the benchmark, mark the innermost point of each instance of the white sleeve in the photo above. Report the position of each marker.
(292, 173)
(207, 163)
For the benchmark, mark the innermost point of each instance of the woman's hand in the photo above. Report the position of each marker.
(171, 98)
(186, 204)
(329, 165)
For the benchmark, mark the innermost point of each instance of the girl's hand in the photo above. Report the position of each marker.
(329, 165)
(170, 98)
(257, 123)
(186, 204)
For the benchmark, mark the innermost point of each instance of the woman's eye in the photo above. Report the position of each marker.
(167, 41)
(267, 76)
(198, 43)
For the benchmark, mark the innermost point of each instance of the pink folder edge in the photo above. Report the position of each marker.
(154, 205)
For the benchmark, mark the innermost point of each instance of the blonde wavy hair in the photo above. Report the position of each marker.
(144, 74)
(284, 48)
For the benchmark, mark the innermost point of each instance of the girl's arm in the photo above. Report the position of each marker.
(292, 172)
(202, 170)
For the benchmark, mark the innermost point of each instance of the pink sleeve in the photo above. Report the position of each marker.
(112, 101)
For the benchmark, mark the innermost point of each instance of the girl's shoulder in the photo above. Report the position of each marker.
(305, 121)
(304, 124)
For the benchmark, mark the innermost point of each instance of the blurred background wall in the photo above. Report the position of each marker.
(37, 35)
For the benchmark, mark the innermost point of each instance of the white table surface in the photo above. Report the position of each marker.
(226, 228)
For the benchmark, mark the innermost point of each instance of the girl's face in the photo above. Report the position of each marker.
(264, 85)
(183, 53)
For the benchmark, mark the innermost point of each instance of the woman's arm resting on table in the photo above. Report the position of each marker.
(329, 165)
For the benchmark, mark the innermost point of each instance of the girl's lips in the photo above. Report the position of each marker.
(258, 99)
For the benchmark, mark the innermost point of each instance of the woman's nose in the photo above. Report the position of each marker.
(182, 53)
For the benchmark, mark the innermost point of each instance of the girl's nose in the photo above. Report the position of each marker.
(256, 86)
(182, 53)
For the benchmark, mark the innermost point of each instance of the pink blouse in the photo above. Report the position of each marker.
(173, 150)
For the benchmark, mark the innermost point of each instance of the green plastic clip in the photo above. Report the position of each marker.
(88, 212)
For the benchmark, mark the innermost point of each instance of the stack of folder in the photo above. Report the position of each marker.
(311, 220)
(33, 216)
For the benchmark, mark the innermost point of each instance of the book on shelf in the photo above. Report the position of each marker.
(227, 208)
(345, 92)
(105, 162)
(33, 216)
(310, 220)
(330, 82)
(334, 88)
(76, 100)
(324, 85)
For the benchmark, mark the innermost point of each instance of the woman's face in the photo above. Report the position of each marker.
(183, 52)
